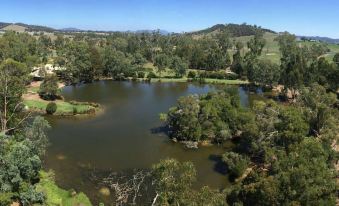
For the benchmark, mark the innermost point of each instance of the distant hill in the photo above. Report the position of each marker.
(162, 32)
(3, 24)
(321, 39)
(71, 29)
(36, 27)
(19, 27)
(14, 27)
(236, 30)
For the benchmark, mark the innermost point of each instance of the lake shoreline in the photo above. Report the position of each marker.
(181, 80)
(33, 103)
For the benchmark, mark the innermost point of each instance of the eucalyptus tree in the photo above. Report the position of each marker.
(161, 62)
(13, 79)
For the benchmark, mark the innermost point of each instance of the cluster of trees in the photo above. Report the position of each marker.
(22, 138)
(21, 144)
(282, 154)
(213, 117)
(88, 57)
(173, 185)
(25, 48)
(304, 66)
(20, 161)
(299, 65)
(124, 55)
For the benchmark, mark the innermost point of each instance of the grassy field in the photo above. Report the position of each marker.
(34, 103)
(169, 76)
(225, 81)
(62, 107)
(57, 196)
(271, 49)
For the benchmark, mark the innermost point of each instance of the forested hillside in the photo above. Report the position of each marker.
(235, 30)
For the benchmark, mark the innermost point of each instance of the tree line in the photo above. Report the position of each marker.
(88, 57)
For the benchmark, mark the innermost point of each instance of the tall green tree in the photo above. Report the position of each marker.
(49, 88)
(13, 79)
(96, 59)
(255, 46)
(238, 61)
(179, 66)
(161, 62)
(78, 63)
(293, 62)
(173, 181)
(20, 157)
(265, 72)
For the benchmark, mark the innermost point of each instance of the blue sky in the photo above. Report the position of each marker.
(301, 17)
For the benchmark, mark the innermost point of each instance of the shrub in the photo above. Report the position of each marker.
(141, 74)
(75, 110)
(51, 108)
(6, 198)
(134, 77)
(236, 163)
(192, 74)
(151, 75)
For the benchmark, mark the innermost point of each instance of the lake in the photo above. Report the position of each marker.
(125, 136)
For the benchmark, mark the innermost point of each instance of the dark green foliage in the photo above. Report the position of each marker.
(251, 61)
(51, 108)
(336, 59)
(292, 127)
(97, 65)
(20, 163)
(293, 62)
(49, 88)
(299, 177)
(173, 185)
(184, 119)
(13, 79)
(265, 72)
(78, 63)
(192, 74)
(318, 109)
(151, 75)
(141, 75)
(161, 62)
(236, 163)
(238, 61)
(21, 47)
(283, 153)
(138, 60)
(235, 30)
(179, 66)
(117, 64)
(214, 117)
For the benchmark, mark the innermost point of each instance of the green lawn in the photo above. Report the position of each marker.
(169, 80)
(225, 81)
(207, 80)
(56, 196)
(62, 107)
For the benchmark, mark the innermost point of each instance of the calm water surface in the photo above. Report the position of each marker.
(123, 137)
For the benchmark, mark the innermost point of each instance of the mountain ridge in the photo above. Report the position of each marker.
(236, 30)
